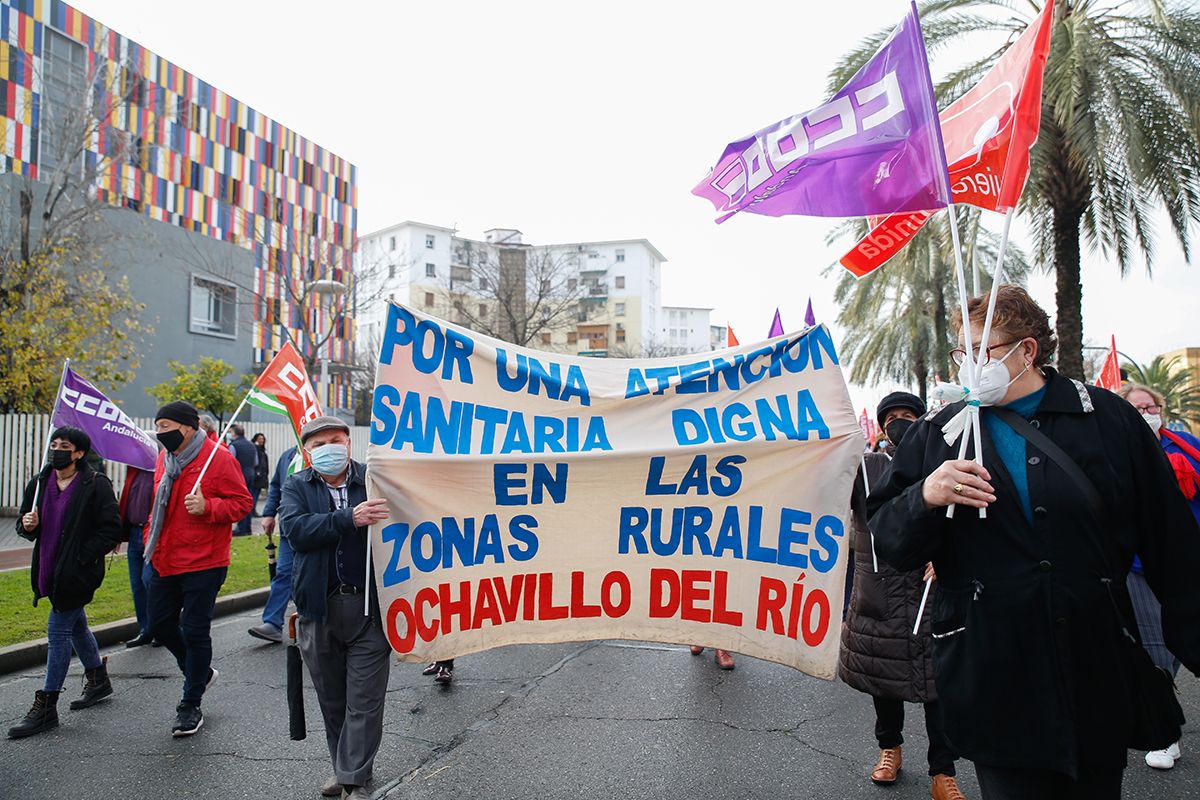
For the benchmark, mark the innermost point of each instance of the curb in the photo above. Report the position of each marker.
(31, 654)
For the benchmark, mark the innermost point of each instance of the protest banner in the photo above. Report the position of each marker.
(538, 497)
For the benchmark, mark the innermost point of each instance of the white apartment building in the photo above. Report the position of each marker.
(686, 329)
(601, 298)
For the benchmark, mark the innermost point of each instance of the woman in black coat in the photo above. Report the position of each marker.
(75, 523)
(880, 655)
(1028, 648)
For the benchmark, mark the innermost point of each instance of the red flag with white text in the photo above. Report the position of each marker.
(285, 388)
(987, 134)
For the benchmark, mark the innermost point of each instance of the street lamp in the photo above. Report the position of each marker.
(331, 288)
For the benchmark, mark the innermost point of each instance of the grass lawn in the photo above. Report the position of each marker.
(20, 621)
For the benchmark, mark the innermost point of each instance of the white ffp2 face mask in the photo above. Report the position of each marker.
(1154, 421)
(994, 381)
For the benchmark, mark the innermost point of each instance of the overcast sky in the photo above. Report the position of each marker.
(577, 122)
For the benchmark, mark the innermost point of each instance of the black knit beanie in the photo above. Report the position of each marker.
(180, 411)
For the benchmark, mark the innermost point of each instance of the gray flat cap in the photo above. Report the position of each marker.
(322, 424)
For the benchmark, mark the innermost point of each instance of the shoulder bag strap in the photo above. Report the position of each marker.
(1090, 493)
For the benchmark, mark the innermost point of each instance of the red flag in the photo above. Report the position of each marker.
(733, 340)
(285, 388)
(1110, 373)
(868, 425)
(987, 133)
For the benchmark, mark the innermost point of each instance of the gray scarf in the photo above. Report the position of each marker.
(173, 465)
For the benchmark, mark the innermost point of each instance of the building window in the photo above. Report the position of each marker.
(620, 312)
(392, 244)
(620, 255)
(429, 299)
(64, 92)
(483, 282)
(545, 337)
(572, 337)
(391, 270)
(620, 336)
(429, 241)
(482, 310)
(619, 281)
(214, 308)
(430, 271)
(572, 284)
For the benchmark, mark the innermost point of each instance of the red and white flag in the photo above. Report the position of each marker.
(285, 388)
(987, 134)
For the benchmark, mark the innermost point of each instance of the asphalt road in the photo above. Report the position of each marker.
(592, 720)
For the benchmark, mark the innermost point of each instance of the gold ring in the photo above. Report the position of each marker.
(958, 488)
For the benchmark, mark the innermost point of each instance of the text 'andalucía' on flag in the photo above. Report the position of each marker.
(873, 148)
(987, 133)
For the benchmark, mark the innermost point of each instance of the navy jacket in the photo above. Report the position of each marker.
(247, 456)
(313, 531)
(275, 489)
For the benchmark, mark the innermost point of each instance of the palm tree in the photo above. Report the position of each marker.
(914, 298)
(1120, 135)
(1180, 387)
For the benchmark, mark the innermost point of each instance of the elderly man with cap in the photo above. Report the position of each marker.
(880, 655)
(187, 546)
(324, 514)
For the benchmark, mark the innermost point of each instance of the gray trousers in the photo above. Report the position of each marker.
(1148, 613)
(349, 660)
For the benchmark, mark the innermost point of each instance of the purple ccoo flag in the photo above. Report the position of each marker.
(810, 319)
(114, 435)
(874, 148)
(776, 326)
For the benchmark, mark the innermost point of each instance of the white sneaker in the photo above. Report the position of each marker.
(1163, 759)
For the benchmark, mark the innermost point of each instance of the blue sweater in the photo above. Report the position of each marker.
(1011, 445)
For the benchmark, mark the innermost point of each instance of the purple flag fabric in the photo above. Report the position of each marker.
(810, 319)
(874, 148)
(114, 435)
(776, 326)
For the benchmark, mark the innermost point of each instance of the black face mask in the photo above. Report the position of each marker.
(896, 430)
(60, 459)
(172, 440)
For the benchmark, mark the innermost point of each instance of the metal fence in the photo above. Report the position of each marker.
(23, 446)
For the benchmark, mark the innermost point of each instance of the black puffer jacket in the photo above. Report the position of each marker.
(1027, 662)
(91, 529)
(880, 655)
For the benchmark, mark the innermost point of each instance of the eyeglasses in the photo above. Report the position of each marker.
(959, 354)
(1152, 408)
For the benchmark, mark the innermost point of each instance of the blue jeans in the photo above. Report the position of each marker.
(181, 614)
(67, 630)
(139, 578)
(281, 586)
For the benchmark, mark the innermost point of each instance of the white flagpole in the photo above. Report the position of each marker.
(921, 608)
(997, 277)
(367, 572)
(62, 379)
(969, 361)
(213, 452)
(862, 460)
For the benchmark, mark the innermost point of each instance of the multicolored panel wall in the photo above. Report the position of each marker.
(178, 150)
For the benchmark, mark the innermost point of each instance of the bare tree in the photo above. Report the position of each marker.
(514, 293)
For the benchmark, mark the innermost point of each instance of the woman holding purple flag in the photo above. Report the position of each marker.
(1039, 671)
(74, 524)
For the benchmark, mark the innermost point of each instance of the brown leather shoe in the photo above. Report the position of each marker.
(946, 788)
(888, 768)
(724, 659)
(696, 649)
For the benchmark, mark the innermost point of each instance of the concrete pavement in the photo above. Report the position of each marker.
(603, 720)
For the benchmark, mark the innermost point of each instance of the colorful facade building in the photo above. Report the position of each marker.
(182, 152)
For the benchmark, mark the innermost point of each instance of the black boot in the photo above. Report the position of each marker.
(96, 686)
(42, 717)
